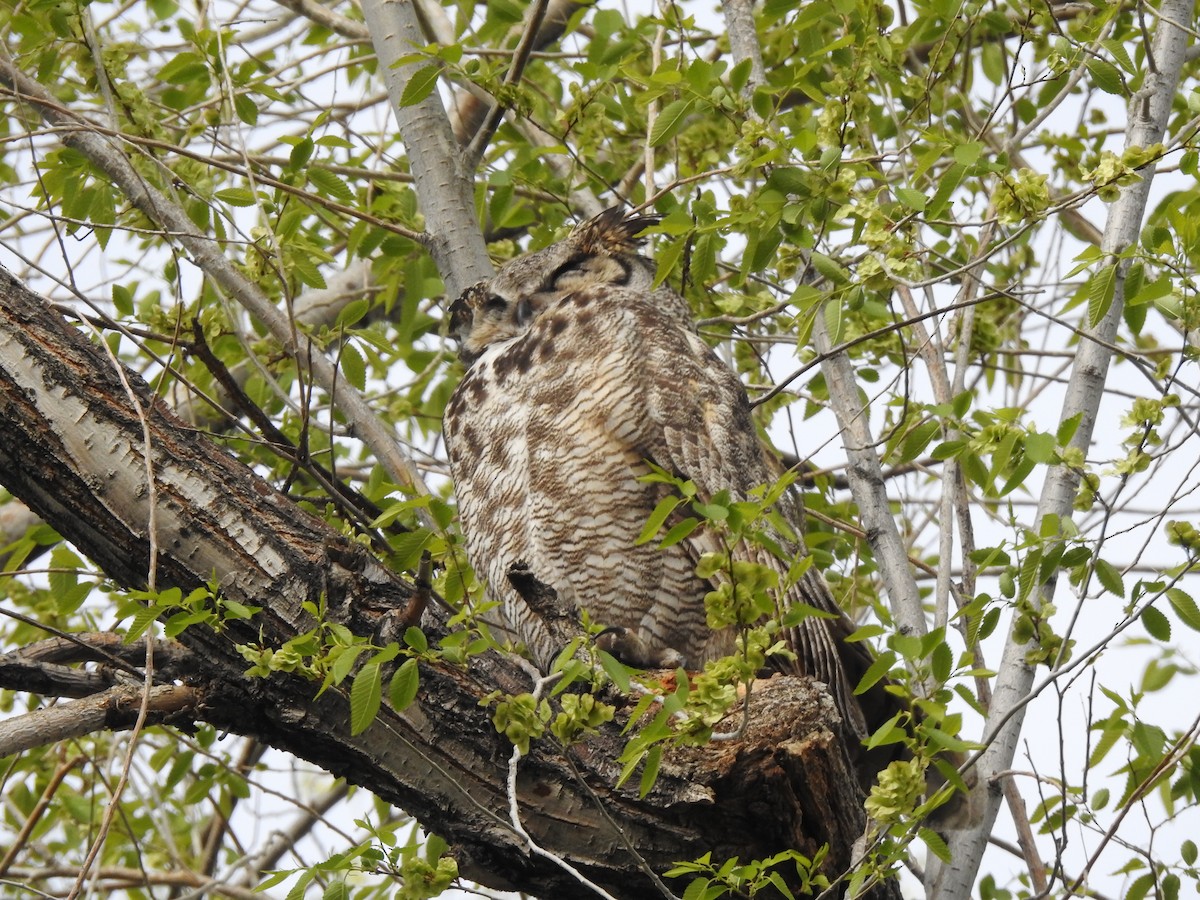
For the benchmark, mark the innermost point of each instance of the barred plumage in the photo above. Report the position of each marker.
(581, 373)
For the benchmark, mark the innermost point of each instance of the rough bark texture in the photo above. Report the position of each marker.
(443, 183)
(71, 447)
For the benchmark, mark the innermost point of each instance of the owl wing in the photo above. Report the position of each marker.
(698, 426)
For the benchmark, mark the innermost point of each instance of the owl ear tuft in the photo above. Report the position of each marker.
(613, 231)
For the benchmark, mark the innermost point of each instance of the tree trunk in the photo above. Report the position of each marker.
(73, 434)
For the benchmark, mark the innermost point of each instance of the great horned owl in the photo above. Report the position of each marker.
(581, 375)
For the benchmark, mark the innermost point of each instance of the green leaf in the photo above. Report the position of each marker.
(415, 638)
(1067, 429)
(832, 311)
(352, 366)
(1018, 475)
(330, 184)
(1039, 448)
(829, 268)
(881, 666)
(122, 297)
(1108, 739)
(670, 121)
(365, 697)
(343, 664)
(679, 531)
(420, 85)
(236, 196)
(140, 622)
(1120, 53)
(650, 770)
(935, 843)
(184, 68)
(918, 439)
(949, 449)
(1110, 578)
(914, 200)
(664, 508)
(1185, 608)
(246, 108)
(1106, 76)
(1141, 887)
(231, 609)
(947, 185)
(616, 670)
(353, 312)
(301, 885)
(1157, 625)
(407, 548)
(1100, 290)
(889, 732)
(403, 688)
(941, 662)
(305, 269)
(301, 153)
(1027, 578)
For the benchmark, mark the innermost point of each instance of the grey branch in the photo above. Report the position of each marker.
(1149, 110)
(114, 709)
(46, 668)
(444, 183)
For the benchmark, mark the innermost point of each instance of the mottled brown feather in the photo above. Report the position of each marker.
(582, 374)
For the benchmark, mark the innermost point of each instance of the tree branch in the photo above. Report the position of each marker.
(206, 252)
(1149, 110)
(443, 181)
(867, 485)
(114, 709)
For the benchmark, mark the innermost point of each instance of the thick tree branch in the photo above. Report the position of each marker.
(444, 182)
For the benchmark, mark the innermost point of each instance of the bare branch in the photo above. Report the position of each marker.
(327, 18)
(115, 709)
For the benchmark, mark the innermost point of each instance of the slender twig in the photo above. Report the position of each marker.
(520, 58)
(35, 815)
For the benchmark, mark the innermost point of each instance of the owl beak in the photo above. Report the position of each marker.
(524, 312)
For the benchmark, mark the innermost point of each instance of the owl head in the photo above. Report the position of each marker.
(602, 250)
